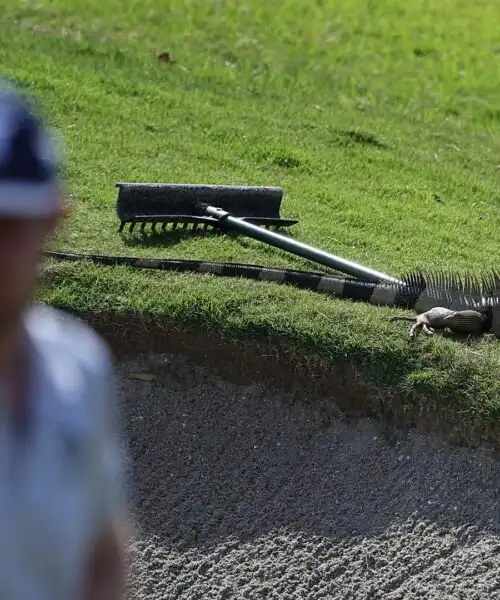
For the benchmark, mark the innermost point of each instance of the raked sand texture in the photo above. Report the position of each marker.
(239, 492)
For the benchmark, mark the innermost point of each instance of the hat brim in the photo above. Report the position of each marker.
(30, 201)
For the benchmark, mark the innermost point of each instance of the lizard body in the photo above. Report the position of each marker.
(472, 322)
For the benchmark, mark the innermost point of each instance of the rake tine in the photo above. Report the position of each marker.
(143, 226)
(122, 225)
(174, 226)
(132, 225)
(205, 226)
(185, 226)
(163, 225)
(195, 227)
(153, 227)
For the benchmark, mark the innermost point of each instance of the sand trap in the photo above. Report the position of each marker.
(239, 493)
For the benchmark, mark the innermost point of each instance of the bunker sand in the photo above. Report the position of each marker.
(242, 492)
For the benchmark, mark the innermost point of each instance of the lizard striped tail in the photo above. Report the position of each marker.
(419, 290)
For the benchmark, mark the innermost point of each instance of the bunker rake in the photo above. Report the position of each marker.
(248, 210)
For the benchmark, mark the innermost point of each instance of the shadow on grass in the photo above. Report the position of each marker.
(168, 237)
(174, 237)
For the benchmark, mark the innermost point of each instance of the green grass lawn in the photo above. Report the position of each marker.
(269, 93)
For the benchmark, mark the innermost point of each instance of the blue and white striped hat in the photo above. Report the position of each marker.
(29, 182)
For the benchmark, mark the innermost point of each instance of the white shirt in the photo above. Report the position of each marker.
(63, 483)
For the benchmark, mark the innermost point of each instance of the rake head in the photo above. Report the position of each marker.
(175, 205)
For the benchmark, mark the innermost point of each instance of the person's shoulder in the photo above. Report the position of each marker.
(60, 333)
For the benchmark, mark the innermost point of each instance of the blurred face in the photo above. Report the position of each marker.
(21, 241)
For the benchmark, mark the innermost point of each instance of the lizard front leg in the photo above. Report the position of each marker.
(415, 328)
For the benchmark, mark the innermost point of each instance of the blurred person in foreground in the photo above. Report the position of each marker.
(62, 500)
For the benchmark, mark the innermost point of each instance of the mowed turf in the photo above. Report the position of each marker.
(379, 119)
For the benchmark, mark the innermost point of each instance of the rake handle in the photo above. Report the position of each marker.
(298, 248)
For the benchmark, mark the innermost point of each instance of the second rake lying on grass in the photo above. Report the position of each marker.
(241, 209)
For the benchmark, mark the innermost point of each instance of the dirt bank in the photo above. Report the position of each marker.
(243, 492)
